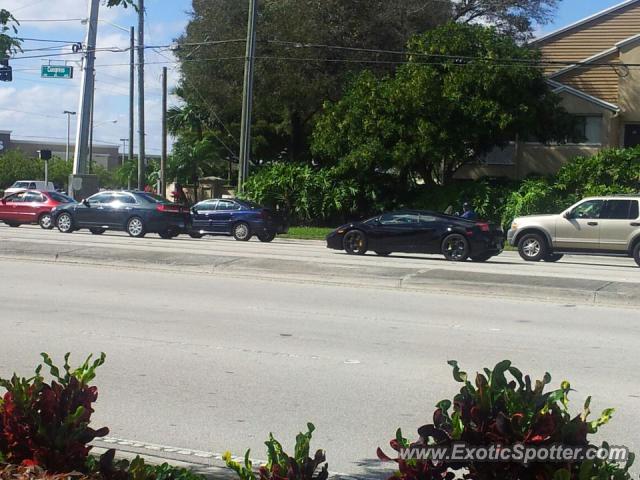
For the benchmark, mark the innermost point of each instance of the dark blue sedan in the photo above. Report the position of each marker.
(239, 218)
(136, 213)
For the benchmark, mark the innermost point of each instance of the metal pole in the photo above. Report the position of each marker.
(46, 174)
(247, 96)
(86, 92)
(93, 95)
(141, 141)
(124, 149)
(68, 133)
(163, 158)
(132, 77)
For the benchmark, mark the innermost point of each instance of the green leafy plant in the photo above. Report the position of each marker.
(503, 407)
(47, 423)
(280, 465)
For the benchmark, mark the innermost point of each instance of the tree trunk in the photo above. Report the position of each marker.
(297, 140)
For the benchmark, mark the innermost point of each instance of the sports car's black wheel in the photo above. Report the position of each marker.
(636, 253)
(455, 248)
(355, 243)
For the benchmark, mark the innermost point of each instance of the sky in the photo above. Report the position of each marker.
(31, 106)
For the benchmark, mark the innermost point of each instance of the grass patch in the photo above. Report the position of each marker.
(307, 233)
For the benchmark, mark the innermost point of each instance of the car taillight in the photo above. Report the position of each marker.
(168, 208)
(484, 227)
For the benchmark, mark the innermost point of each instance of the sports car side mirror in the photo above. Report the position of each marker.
(4, 201)
(85, 202)
(567, 215)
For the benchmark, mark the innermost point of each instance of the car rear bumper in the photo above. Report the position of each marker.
(488, 244)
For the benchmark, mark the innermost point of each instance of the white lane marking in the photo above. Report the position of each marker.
(154, 448)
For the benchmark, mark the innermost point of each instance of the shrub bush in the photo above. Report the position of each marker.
(47, 423)
(503, 407)
(281, 466)
(307, 195)
(611, 171)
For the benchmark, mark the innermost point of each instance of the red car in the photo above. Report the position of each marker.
(31, 206)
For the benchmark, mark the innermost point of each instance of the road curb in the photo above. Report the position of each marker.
(209, 465)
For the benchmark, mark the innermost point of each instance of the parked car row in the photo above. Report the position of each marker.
(597, 225)
(139, 213)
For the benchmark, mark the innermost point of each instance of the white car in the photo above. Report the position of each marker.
(22, 185)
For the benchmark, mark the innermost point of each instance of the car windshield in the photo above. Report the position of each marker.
(59, 197)
(20, 185)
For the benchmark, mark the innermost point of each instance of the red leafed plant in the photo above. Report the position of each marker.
(47, 423)
(502, 407)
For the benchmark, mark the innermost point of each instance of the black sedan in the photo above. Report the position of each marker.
(136, 213)
(414, 231)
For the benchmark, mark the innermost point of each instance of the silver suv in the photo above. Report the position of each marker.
(596, 225)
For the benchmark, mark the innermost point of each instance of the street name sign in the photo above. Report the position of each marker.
(57, 71)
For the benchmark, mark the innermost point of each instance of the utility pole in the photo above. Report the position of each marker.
(68, 114)
(247, 96)
(132, 79)
(141, 142)
(163, 158)
(86, 92)
(93, 96)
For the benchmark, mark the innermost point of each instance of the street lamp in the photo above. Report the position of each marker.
(92, 126)
(124, 147)
(68, 114)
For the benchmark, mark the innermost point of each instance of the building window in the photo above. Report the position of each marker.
(588, 130)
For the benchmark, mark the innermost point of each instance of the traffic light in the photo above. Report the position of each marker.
(6, 73)
(44, 154)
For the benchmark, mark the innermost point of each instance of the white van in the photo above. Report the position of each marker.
(22, 185)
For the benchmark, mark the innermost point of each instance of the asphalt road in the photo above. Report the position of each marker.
(214, 364)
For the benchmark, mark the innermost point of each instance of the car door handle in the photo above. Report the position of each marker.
(592, 224)
(635, 224)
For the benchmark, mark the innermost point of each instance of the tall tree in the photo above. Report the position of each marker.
(465, 90)
(8, 44)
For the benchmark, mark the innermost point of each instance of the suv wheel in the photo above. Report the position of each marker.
(636, 253)
(553, 257)
(532, 247)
